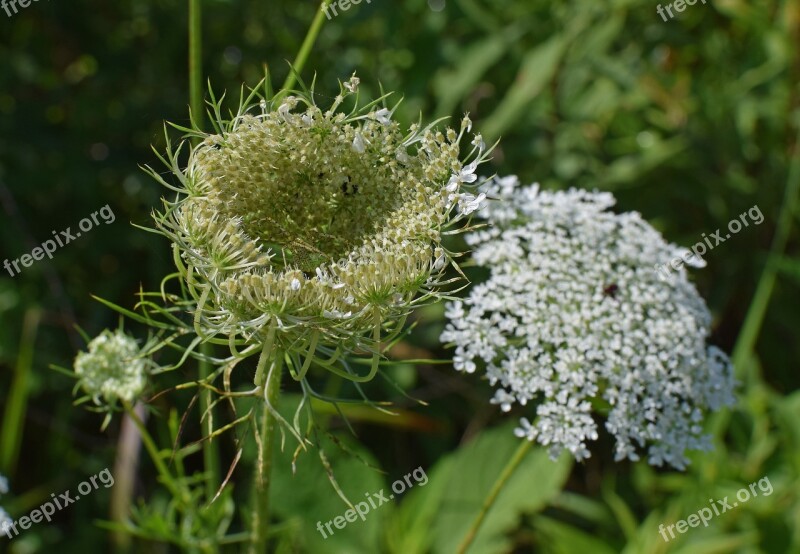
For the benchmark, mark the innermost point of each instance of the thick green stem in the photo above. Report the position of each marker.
(266, 433)
(210, 453)
(508, 471)
(308, 44)
(196, 62)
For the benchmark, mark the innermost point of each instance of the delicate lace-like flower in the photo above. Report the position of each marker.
(298, 226)
(112, 369)
(573, 316)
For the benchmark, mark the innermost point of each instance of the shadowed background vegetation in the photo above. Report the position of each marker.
(690, 122)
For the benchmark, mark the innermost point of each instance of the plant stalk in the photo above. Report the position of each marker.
(505, 475)
(196, 62)
(266, 431)
(16, 403)
(210, 453)
(308, 44)
(155, 455)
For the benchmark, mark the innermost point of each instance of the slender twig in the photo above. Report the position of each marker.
(13, 421)
(155, 455)
(508, 471)
(126, 464)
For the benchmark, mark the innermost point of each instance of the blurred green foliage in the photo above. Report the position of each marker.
(690, 122)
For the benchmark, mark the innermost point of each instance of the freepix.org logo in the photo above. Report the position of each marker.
(9, 5)
(59, 240)
(57, 503)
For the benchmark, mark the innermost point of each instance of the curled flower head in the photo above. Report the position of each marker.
(573, 316)
(302, 226)
(112, 369)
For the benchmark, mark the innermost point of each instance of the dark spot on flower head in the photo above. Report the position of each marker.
(349, 188)
(611, 290)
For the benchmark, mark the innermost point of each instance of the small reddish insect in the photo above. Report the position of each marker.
(611, 290)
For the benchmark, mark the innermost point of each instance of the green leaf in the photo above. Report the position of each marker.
(469, 474)
(562, 538)
(452, 85)
(409, 530)
(306, 497)
(537, 69)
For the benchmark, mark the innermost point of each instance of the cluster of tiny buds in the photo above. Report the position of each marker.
(112, 369)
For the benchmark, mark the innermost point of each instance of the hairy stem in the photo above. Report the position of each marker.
(266, 433)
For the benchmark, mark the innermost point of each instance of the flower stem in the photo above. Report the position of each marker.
(308, 44)
(210, 454)
(260, 528)
(150, 445)
(506, 474)
(196, 62)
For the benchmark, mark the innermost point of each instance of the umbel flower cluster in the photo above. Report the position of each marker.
(112, 370)
(573, 317)
(300, 227)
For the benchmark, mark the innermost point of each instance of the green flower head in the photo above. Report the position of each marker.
(300, 223)
(112, 369)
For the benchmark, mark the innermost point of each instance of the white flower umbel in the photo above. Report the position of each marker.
(573, 317)
(112, 369)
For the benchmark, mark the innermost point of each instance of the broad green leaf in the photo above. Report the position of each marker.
(473, 470)
(409, 530)
(304, 497)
